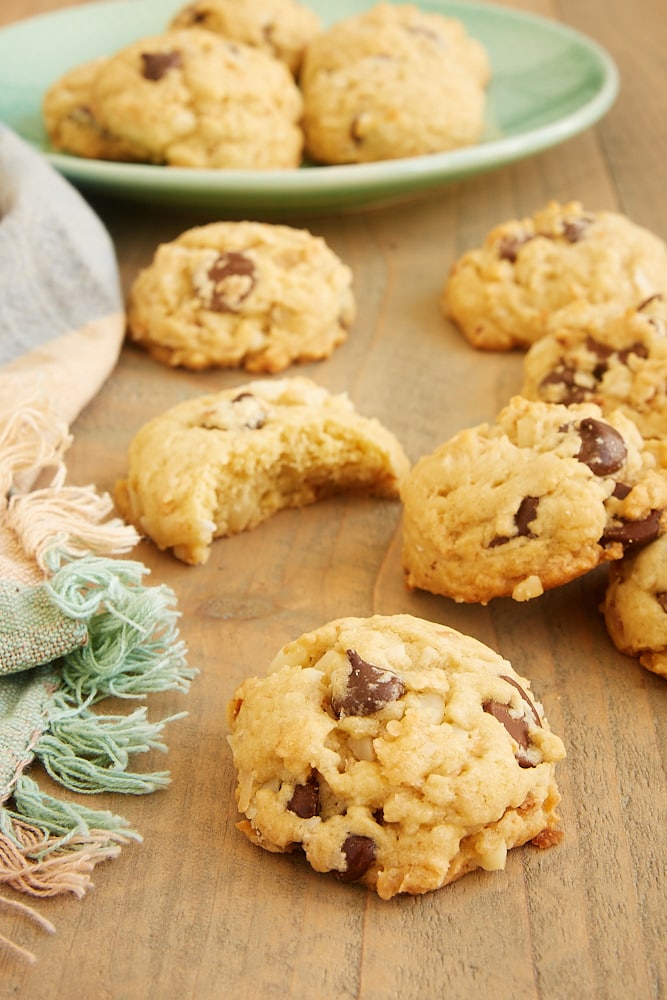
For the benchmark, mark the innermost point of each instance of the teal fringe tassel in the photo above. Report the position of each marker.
(133, 647)
(88, 752)
(59, 822)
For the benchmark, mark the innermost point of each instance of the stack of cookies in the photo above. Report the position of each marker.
(573, 472)
(258, 85)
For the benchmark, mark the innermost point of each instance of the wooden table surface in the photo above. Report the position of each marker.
(197, 911)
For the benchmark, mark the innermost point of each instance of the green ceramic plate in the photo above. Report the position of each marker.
(549, 83)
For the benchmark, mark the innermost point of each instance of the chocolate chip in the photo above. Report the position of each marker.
(256, 418)
(305, 801)
(359, 853)
(524, 696)
(509, 246)
(418, 29)
(638, 349)
(630, 533)
(646, 302)
(517, 728)
(575, 229)
(232, 277)
(661, 598)
(157, 64)
(368, 688)
(602, 351)
(356, 133)
(602, 447)
(564, 376)
(526, 513)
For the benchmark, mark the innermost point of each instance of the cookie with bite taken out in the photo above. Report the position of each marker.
(222, 463)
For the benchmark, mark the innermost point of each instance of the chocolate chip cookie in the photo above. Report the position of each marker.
(71, 123)
(394, 752)
(508, 293)
(635, 605)
(191, 98)
(242, 294)
(219, 464)
(529, 502)
(617, 360)
(282, 28)
(392, 82)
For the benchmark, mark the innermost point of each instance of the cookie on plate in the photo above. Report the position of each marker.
(529, 502)
(242, 294)
(392, 82)
(508, 292)
(282, 28)
(394, 752)
(219, 464)
(618, 361)
(71, 123)
(635, 605)
(193, 99)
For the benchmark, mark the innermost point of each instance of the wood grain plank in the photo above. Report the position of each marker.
(195, 910)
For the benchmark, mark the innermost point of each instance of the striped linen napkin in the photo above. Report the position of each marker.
(77, 621)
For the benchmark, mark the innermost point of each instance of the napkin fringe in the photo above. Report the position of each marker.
(32, 864)
(32, 439)
(69, 518)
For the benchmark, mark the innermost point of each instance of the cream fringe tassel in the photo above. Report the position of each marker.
(32, 444)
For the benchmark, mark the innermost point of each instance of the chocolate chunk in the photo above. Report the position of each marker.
(359, 853)
(233, 278)
(509, 246)
(661, 598)
(526, 513)
(305, 801)
(634, 532)
(602, 447)
(575, 229)
(621, 491)
(157, 64)
(369, 688)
